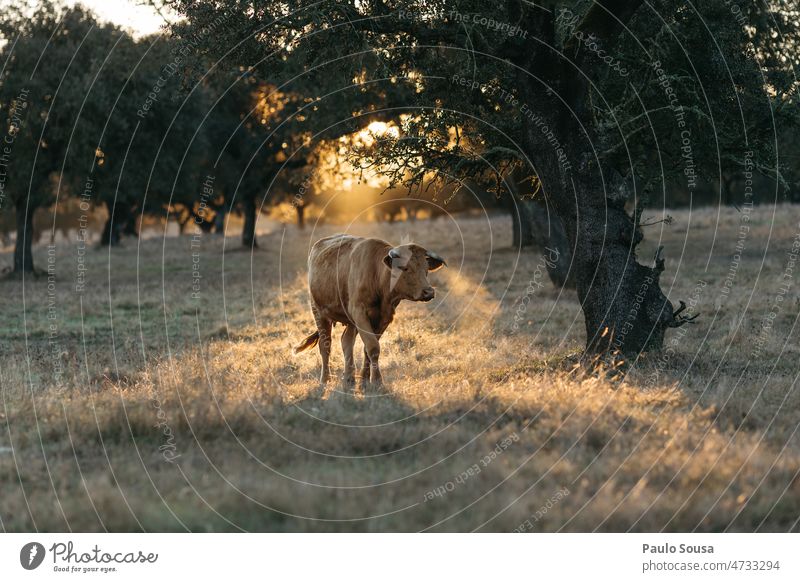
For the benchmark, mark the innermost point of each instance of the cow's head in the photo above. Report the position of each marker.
(410, 265)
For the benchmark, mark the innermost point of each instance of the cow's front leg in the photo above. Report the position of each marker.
(365, 367)
(372, 348)
(348, 341)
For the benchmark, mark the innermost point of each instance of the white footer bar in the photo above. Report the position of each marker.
(401, 557)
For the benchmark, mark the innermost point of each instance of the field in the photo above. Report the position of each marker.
(164, 396)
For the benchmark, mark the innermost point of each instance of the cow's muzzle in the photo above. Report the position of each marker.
(427, 294)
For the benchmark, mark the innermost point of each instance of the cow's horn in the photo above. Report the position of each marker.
(435, 262)
(391, 257)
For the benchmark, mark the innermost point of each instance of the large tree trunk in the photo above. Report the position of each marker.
(249, 231)
(623, 306)
(557, 247)
(23, 249)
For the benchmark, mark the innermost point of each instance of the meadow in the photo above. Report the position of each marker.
(152, 388)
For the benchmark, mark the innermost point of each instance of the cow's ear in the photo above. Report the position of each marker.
(435, 262)
(390, 257)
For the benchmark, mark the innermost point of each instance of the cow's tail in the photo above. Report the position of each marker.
(307, 343)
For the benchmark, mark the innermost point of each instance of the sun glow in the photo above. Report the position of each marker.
(377, 130)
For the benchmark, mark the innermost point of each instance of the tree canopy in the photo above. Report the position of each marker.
(603, 104)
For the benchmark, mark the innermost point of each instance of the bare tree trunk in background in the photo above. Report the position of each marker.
(131, 225)
(300, 208)
(115, 223)
(533, 226)
(727, 181)
(521, 225)
(219, 218)
(23, 249)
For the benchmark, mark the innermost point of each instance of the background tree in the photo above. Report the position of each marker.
(41, 134)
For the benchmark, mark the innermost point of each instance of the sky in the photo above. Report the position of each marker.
(130, 14)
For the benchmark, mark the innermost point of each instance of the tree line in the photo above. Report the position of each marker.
(576, 115)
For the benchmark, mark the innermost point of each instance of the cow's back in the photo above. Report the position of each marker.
(337, 263)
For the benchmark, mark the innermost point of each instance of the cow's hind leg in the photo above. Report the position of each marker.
(348, 342)
(365, 367)
(324, 326)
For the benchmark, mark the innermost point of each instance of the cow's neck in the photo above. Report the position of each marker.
(388, 304)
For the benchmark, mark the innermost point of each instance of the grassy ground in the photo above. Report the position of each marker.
(136, 405)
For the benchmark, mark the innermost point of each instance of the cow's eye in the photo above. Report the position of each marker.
(403, 268)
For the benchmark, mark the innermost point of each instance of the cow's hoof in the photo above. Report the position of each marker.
(349, 382)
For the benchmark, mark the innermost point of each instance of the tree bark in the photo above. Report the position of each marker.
(249, 230)
(23, 248)
(557, 247)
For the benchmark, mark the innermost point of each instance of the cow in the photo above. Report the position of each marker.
(359, 282)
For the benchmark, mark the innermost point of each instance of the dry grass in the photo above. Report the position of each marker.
(702, 437)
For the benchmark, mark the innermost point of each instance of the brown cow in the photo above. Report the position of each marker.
(359, 282)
